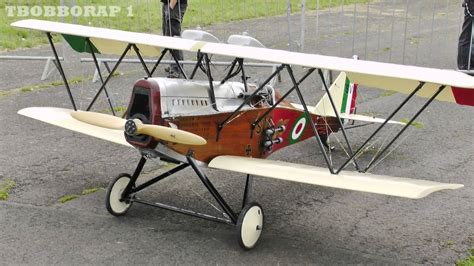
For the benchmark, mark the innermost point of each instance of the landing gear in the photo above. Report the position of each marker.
(250, 225)
(122, 193)
(114, 201)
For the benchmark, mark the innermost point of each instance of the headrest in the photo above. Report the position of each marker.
(244, 40)
(199, 35)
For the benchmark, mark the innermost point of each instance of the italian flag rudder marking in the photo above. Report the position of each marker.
(349, 97)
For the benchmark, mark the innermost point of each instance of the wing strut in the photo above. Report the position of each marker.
(61, 70)
(351, 154)
(137, 51)
(211, 84)
(440, 89)
(163, 52)
(259, 119)
(232, 74)
(109, 76)
(200, 57)
(323, 80)
(89, 47)
(100, 75)
(420, 85)
(296, 85)
(308, 116)
(248, 99)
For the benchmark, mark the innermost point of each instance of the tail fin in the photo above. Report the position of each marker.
(343, 93)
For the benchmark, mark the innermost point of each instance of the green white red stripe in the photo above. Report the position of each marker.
(349, 97)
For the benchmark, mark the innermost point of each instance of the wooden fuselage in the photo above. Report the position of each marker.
(238, 136)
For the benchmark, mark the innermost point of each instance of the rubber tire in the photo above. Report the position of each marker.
(114, 190)
(248, 237)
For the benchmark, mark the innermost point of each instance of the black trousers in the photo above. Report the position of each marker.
(171, 25)
(464, 43)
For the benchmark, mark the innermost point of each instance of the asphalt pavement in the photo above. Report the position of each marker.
(303, 224)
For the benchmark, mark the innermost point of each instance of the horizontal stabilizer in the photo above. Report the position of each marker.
(386, 185)
(62, 118)
(368, 119)
(362, 118)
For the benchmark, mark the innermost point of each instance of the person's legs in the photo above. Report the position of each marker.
(465, 43)
(165, 22)
(176, 17)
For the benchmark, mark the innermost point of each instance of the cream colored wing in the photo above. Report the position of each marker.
(386, 185)
(400, 78)
(62, 118)
(110, 41)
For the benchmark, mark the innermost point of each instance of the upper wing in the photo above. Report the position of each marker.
(109, 41)
(387, 185)
(62, 118)
(400, 78)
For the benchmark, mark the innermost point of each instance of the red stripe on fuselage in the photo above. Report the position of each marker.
(463, 96)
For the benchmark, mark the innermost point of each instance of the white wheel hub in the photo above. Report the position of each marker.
(252, 225)
(116, 194)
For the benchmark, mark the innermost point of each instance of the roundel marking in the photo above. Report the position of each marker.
(298, 128)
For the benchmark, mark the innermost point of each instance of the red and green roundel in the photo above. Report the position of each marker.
(298, 128)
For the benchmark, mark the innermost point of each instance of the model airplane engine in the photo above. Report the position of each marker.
(144, 105)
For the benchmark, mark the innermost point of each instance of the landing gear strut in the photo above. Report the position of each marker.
(122, 192)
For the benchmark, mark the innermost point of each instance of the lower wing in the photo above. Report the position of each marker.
(386, 185)
(62, 118)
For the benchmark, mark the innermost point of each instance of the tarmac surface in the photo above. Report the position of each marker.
(303, 224)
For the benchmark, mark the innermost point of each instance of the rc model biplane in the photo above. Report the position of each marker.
(236, 125)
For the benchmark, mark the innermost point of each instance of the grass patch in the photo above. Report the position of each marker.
(89, 191)
(67, 198)
(5, 94)
(371, 114)
(414, 123)
(32, 88)
(146, 16)
(387, 93)
(76, 80)
(6, 184)
(414, 40)
(469, 261)
(57, 83)
(119, 110)
(117, 73)
(450, 244)
(26, 89)
(70, 81)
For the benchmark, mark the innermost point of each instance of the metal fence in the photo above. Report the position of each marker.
(400, 31)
